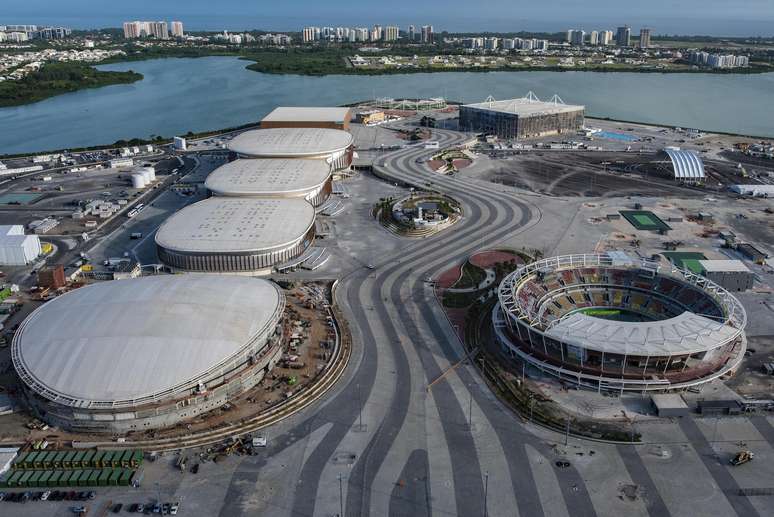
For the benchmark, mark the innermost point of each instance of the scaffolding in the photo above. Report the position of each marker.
(433, 103)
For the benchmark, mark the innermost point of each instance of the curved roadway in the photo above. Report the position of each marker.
(419, 452)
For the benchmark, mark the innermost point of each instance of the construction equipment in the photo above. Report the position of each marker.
(742, 457)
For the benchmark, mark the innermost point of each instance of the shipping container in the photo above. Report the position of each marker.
(25, 477)
(74, 477)
(114, 477)
(29, 460)
(107, 459)
(13, 481)
(126, 458)
(94, 477)
(77, 461)
(34, 480)
(57, 461)
(55, 478)
(46, 458)
(20, 463)
(88, 457)
(69, 477)
(96, 461)
(136, 458)
(104, 476)
(43, 481)
(67, 462)
(126, 477)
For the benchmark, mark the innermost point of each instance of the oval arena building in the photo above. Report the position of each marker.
(273, 178)
(236, 235)
(616, 322)
(147, 353)
(332, 145)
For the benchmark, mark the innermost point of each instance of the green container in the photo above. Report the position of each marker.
(69, 477)
(126, 458)
(136, 458)
(115, 460)
(77, 461)
(42, 459)
(38, 461)
(58, 459)
(72, 480)
(34, 480)
(43, 481)
(84, 479)
(13, 481)
(96, 460)
(107, 459)
(114, 477)
(67, 462)
(126, 477)
(29, 460)
(25, 477)
(93, 477)
(104, 476)
(55, 478)
(87, 458)
(19, 461)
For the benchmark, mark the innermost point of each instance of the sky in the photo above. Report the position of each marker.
(706, 17)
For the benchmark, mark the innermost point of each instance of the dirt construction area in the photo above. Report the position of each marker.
(599, 174)
(308, 340)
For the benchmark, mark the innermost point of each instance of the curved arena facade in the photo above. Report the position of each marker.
(273, 178)
(621, 323)
(332, 145)
(236, 235)
(147, 353)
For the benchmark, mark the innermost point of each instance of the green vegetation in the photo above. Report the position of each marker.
(55, 78)
(305, 61)
(471, 276)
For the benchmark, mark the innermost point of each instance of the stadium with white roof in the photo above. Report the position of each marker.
(273, 178)
(236, 235)
(147, 353)
(333, 145)
(616, 322)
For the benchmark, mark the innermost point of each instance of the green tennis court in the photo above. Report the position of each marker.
(686, 260)
(644, 220)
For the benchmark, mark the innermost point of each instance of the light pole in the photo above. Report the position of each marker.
(486, 493)
(470, 410)
(341, 495)
(567, 431)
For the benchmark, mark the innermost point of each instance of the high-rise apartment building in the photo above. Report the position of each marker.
(391, 33)
(577, 37)
(623, 36)
(412, 33)
(177, 29)
(593, 38)
(427, 34)
(142, 29)
(309, 34)
(605, 37)
(644, 38)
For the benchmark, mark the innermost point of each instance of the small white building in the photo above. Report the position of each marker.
(16, 248)
(180, 144)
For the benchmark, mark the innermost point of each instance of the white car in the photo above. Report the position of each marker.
(173, 509)
(259, 441)
(44, 495)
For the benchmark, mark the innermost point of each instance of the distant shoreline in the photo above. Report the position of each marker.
(302, 65)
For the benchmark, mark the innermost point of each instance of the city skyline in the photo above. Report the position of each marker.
(691, 17)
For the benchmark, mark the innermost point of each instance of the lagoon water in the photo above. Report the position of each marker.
(181, 95)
